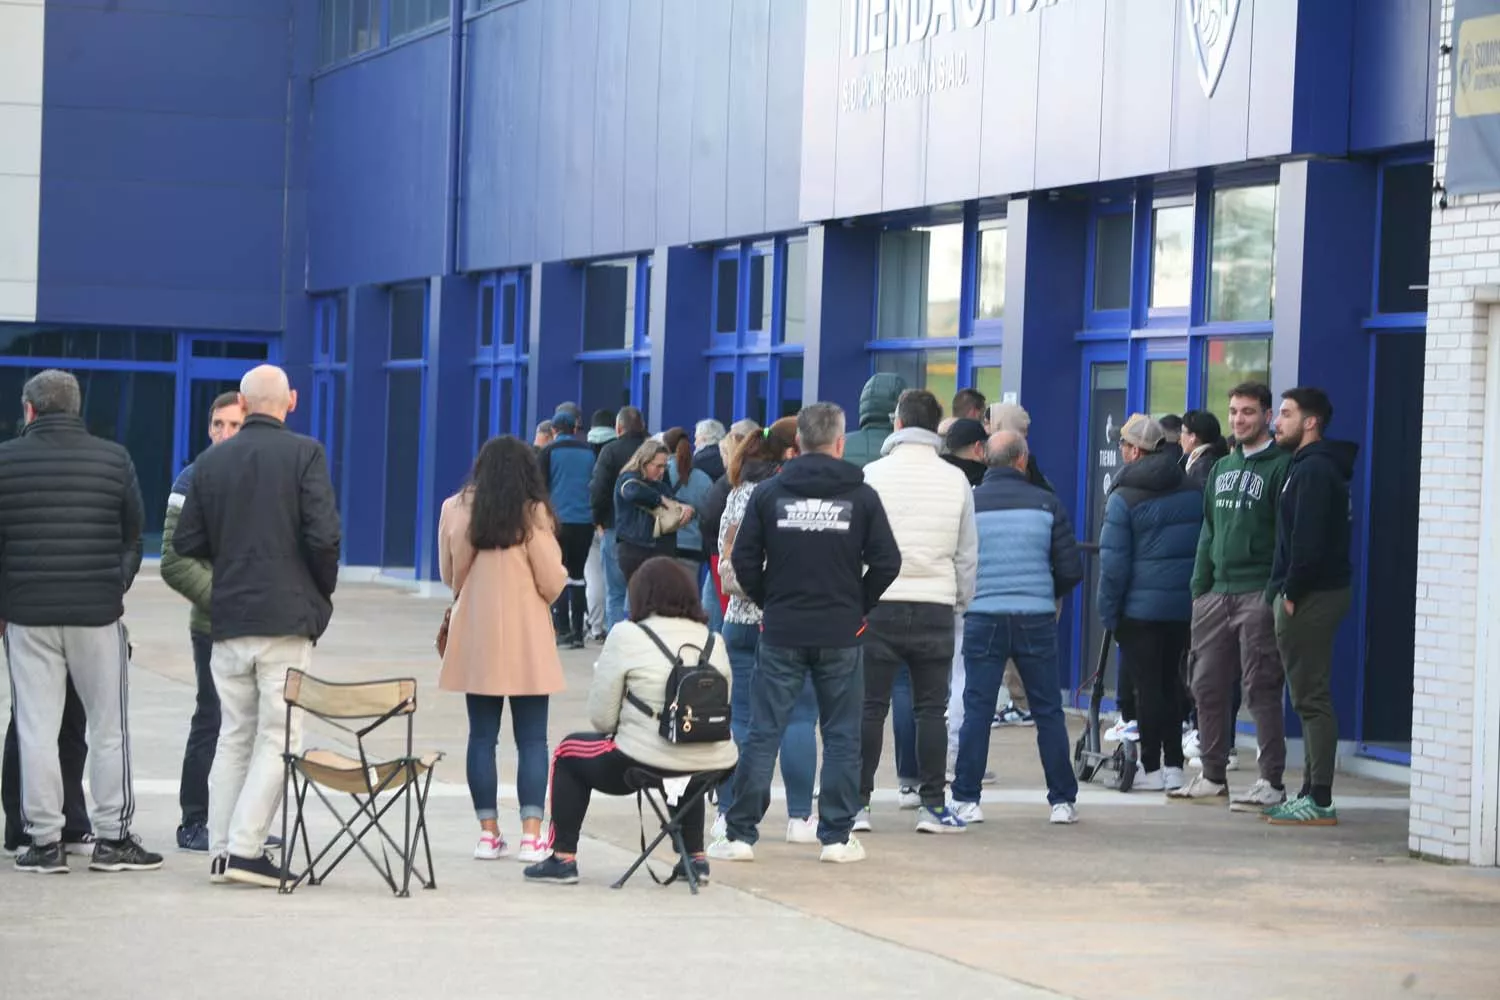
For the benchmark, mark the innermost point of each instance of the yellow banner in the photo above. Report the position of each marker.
(1478, 90)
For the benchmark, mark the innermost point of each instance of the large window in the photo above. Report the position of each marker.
(1113, 237)
(1228, 361)
(759, 325)
(329, 389)
(500, 357)
(350, 27)
(921, 282)
(406, 399)
(1166, 387)
(935, 371)
(1172, 257)
(1405, 237)
(1242, 264)
(615, 340)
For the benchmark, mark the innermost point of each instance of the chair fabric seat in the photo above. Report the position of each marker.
(343, 773)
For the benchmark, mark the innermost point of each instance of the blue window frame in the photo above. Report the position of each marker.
(349, 28)
(1403, 229)
(330, 394)
(614, 356)
(500, 356)
(940, 304)
(756, 333)
(406, 413)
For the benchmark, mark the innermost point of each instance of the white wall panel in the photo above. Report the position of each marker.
(22, 31)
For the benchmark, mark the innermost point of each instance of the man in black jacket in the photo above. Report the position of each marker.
(261, 509)
(815, 552)
(70, 533)
(630, 434)
(1309, 589)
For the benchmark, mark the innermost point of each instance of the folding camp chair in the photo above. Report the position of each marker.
(651, 785)
(373, 785)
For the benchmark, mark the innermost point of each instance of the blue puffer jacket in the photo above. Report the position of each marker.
(1028, 557)
(1146, 550)
(635, 496)
(567, 466)
(692, 492)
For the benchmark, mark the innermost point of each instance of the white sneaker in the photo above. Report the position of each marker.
(802, 831)
(1123, 729)
(1173, 777)
(1148, 781)
(843, 854)
(720, 828)
(1064, 813)
(862, 821)
(533, 850)
(491, 847)
(1191, 748)
(969, 812)
(1258, 799)
(1232, 763)
(724, 849)
(1200, 791)
(909, 797)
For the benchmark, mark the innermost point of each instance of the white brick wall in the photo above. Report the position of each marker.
(1465, 277)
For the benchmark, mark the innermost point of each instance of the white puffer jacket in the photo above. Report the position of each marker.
(931, 510)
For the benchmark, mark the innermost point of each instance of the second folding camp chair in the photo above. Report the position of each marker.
(373, 786)
(654, 787)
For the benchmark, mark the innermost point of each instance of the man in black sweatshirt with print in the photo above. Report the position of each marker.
(1309, 589)
(815, 552)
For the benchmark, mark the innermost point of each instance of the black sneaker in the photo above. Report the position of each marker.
(125, 855)
(193, 838)
(553, 870)
(49, 860)
(700, 869)
(273, 842)
(216, 869)
(263, 871)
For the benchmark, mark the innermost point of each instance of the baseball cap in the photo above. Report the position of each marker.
(1143, 432)
(564, 421)
(964, 434)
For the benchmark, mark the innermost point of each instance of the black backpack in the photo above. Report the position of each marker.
(695, 705)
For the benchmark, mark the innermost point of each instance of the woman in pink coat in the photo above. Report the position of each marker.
(498, 551)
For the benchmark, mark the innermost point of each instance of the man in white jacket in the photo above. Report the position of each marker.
(931, 510)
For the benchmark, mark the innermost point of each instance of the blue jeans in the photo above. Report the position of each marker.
(781, 673)
(1031, 640)
(614, 582)
(904, 730)
(529, 723)
(799, 744)
(711, 606)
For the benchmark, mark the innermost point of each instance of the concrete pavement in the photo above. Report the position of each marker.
(1139, 898)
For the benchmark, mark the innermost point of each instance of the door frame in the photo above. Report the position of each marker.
(191, 369)
(1100, 353)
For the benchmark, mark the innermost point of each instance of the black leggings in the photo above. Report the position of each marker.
(570, 612)
(1151, 653)
(589, 762)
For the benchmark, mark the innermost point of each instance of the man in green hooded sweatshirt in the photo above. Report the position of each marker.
(1233, 629)
(877, 404)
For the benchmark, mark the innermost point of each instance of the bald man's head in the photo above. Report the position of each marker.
(1007, 450)
(265, 390)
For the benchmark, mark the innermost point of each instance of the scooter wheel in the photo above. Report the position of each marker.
(1124, 765)
(1084, 766)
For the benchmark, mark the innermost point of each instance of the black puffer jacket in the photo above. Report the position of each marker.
(70, 525)
(261, 509)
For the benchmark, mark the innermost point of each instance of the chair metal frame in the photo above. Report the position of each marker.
(648, 784)
(401, 779)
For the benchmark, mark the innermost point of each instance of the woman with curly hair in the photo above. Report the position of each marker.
(498, 551)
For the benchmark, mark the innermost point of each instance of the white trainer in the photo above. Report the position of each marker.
(1191, 748)
(491, 847)
(724, 849)
(720, 828)
(1173, 778)
(969, 812)
(1148, 781)
(802, 831)
(910, 797)
(862, 821)
(1200, 791)
(533, 851)
(843, 854)
(1064, 813)
(1258, 799)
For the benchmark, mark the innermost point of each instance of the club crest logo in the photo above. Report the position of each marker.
(1211, 27)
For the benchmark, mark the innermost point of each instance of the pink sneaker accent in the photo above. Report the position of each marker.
(533, 850)
(491, 846)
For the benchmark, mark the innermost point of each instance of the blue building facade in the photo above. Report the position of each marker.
(447, 216)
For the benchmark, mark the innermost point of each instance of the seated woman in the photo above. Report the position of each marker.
(664, 599)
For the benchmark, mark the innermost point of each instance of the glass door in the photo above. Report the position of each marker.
(1106, 381)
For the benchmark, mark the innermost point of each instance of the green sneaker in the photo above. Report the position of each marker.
(1302, 812)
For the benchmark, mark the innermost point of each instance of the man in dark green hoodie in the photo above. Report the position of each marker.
(1233, 631)
(877, 404)
(1309, 589)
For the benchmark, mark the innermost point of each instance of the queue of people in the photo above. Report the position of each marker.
(916, 567)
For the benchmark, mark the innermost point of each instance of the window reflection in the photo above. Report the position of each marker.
(1172, 257)
(921, 278)
(794, 305)
(1243, 255)
(1166, 387)
(1228, 361)
(990, 302)
(1112, 252)
(609, 305)
(935, 371)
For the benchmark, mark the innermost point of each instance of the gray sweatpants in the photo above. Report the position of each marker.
(42, 658)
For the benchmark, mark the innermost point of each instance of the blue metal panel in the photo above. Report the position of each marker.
(709, 182)
(841, 274)
(581, 70)
(364, 467)
(609, 127)
(521, 142)
(1007, 132)
(379, 167)
(1138, 75)
(681, 291)
(784, 115)
(553, 128)
(488, 166)
(1070, 98)
(643, 73)
(674, 126)
(1299, 77)
(820, 113)
(556, 320)
(1395, 57)
(749, 64)
(450, 408)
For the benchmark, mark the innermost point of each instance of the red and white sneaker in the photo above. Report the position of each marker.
(491, 847)
(533, 850)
